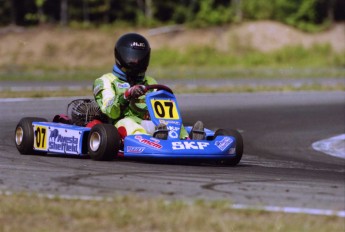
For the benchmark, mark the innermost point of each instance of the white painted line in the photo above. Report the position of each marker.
(334, 146)
(295, 210)
(40, 99)
(15, 99)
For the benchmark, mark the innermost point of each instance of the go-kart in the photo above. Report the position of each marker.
(76, 134)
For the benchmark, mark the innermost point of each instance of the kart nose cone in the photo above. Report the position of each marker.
(19, 135)
(95, 141)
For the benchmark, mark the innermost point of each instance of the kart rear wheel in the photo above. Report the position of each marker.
(103, 142)
(24, 135)
(239, 145)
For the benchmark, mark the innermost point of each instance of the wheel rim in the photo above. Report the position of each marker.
(95, 141)
(19, 135)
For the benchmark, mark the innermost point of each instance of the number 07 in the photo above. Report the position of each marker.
(165, 109)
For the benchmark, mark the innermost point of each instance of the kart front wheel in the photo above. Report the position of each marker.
(24, 135)
(103, 142)
(239, 145)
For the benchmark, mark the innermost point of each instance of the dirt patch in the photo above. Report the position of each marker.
(265, 36)
(93, 48)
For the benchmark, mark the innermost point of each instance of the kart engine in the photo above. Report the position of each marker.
(83, 111)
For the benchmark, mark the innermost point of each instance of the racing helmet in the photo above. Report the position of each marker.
(132, 55)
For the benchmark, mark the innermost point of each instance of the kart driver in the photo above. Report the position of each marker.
(114, 91)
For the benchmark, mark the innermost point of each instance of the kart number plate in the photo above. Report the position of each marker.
(164, 109)
(41, 137)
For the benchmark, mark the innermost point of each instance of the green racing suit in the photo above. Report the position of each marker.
(109, 92)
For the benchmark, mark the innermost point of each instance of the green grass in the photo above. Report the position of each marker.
(24, 212)
(33, 74)
(179, 89)
(238, 61)
(45, 93)
(193, 63)
(241, 56)
(177, 72)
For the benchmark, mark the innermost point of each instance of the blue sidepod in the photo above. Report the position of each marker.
(145, 146)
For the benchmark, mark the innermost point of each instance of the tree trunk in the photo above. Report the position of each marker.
(86, 17)
(330, 13)
(148, 9)
(64, 13)
(13, 13)
(238, 10)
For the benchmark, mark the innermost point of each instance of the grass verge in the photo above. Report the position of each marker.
(24, 212)
(41, 94)
(178, 72)
(241, 55)
(178, 89)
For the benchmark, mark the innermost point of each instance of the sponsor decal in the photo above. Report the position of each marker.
(165, 122)
(224, 143)
(110, 102)
(173, 131)
(189, 145)
(132, 149)
(151, 143)
(64, 141)
(123, 85)
(137, 44)
(97, 89)
(232, 151)
(155, 140)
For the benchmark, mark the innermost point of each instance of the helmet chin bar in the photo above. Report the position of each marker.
(134, 78)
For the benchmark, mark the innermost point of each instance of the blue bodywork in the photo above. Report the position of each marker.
(59, 138)
(163, 108)
(146, 146)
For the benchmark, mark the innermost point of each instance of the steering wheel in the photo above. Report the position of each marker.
(158, 87)
(133, 102)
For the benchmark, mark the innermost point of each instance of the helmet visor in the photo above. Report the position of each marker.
(135, 59)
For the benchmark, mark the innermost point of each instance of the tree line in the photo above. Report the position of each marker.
(199, 13)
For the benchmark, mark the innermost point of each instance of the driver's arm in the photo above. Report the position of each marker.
(107, 96)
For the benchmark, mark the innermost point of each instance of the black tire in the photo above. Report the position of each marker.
(103, 142)
(239, 146)
(24, 135)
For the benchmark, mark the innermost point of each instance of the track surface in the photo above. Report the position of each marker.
(279, 167)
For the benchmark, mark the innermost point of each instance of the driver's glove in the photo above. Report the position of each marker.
(134, 92)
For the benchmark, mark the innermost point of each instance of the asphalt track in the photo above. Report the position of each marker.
(279, 170)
